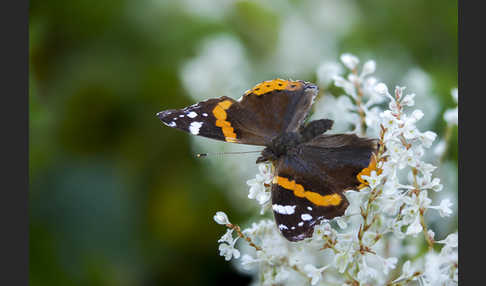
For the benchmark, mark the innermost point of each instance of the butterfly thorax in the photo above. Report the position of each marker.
(280, 146)
(287, 141)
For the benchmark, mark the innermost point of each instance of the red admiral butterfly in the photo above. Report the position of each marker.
(311, 169)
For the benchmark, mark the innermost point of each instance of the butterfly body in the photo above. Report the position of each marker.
(312, 169)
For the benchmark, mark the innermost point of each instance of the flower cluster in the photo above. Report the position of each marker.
(373, 243)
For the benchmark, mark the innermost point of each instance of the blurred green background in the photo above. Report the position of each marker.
(118, 199)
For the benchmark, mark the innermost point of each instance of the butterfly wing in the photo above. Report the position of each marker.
(309, 183)
(210, 119)
(270, 108)
(276, 106)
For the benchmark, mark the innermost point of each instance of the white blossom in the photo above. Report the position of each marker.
(391, 202)
(326, 72)
(221, 218)
(314, 273)
(444, 208)
(451, 116)
(451, 241)
(227, 237)
(350, 61)
(228, 251)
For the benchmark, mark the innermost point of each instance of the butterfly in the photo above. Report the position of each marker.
(312, 169)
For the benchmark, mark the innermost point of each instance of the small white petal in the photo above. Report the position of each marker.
(221, 218)
(368, 68)
(350, 61)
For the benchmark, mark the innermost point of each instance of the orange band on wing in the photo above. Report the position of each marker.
(276, 84)
(317, 199)
(219, 111)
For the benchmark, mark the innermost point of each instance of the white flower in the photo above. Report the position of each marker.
(346, 85)
(326, 72)
(324, 229)
(258, 185)
(229, 250)
(350, 61)
(450, 241)
(366, 273)
(368, 68)
(407, 272)
(314, 273)
(427, 138)
(389, 263)
(431, 233)
(451, 116)
(382, 89)
(389, 121)
(455, 95)
(414, 228)
(444, 208)
(221, 218)
(258, 191)
(341, 222)
(440, 148)
(227, 237)
(341, 261)
(394, 200)
(373, 180)
(247, 261)
(432, 273)
(282, 275)
(408, 100)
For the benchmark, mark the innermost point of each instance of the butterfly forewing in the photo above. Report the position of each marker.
(270, 108)
(211, 119)
(274, 110)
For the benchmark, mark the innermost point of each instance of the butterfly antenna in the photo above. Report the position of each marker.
(201, 155)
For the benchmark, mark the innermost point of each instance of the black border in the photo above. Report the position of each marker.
(14, 209)
(14, 25)
(471, 81)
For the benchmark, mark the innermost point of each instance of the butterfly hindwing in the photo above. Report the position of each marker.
(309, 183)
(339, 156)
(299, 204)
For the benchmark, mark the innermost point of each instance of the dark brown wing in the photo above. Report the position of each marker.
(211, 119)
(310, 181)
(262, 113)
(274, 107)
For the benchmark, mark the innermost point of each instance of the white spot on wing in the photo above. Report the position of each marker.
(306, 217)
(282, 226)
(293, 227)
(192, 114)
(300, 223)
(205, 114)
(194, 127)
(285, 210)
(171, 124)
(309, 208)
(182, 115)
